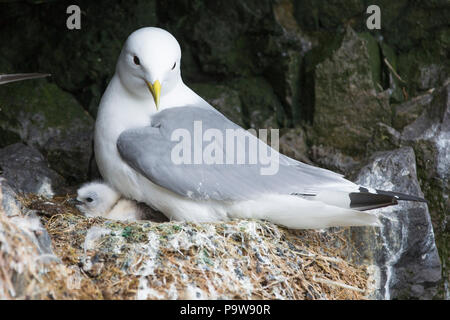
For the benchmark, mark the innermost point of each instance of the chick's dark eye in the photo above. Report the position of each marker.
(89, 199)
(136, 61)
(174, 65)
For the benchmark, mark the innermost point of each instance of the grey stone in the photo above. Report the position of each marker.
(293, 144)
(31, 226)
(429, 135)
(426, 67)
(434, 125)
(407, 112)
(27, 171)
(261, 108)
(431, 76)
(8, 199)
(43, 116)
(26, 221)
(332, 159)
(223, 98)
(403, 249)
(384, 138)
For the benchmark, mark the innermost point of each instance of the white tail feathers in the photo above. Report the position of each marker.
(299, 213)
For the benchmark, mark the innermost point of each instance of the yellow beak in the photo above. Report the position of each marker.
(155, 89)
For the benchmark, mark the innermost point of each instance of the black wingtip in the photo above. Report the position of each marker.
(367, 201)
(401, 196)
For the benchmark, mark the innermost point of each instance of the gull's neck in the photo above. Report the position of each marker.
(121, 109)
(180, 95)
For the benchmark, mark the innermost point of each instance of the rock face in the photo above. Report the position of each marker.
(9, 203)
(346, 101)
(293, 144)
(261, 107)
(14, 211)
(224, 99)
(45, 117)
(27, 171)
(403, 250)
(25, 247)
(429, 134)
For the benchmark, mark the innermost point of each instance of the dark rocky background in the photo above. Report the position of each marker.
(343, 96)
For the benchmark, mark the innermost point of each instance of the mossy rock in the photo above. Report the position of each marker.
(41, 115)
(429, 136)
(390, 77)
(81, 61)
(373, 51)
(423, 69)
(223, 98)
(285, 78)
(347, 105)
(313, 15)
(261, 107)
(225, 39)
(407, 112)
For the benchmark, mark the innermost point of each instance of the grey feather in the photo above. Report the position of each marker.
(148, 151)
(7, 78)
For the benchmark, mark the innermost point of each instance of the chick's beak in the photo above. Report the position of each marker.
(155, 89)
(74, 202)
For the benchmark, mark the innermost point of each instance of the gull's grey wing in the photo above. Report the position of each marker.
(148, 150)
(7, 78)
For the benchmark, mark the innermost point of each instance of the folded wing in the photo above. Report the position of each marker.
(149, 151)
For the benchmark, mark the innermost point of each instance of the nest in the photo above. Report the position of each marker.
(26, 272)
(242, 259)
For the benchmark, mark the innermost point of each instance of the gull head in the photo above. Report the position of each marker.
(96, 199)
(149, 64)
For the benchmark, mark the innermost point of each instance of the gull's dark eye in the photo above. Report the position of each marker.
(136, 61)
(174, 65)
(89, 199)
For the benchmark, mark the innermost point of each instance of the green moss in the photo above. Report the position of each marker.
(390, 77)
(53, 121)
(261, 107)
(328, 43)
(424, 68)
(285, 77)
(38, 97)
(373, 50)
(206, 257)
(126, 232)
(434, 191)
(347, 107)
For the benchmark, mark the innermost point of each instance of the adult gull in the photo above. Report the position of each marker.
(146, 102)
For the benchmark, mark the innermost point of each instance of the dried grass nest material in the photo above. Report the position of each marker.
(242, 259)
(28, 273)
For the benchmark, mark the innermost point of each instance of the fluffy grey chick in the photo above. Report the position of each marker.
(98, 199)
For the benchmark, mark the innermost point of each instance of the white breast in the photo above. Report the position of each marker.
(119, 111)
